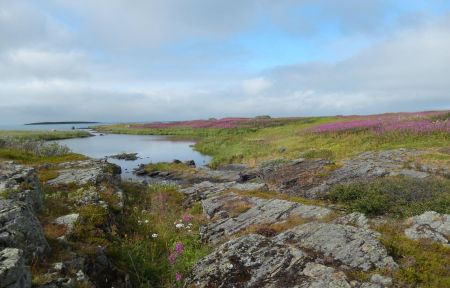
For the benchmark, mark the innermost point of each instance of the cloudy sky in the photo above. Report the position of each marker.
(144, 60)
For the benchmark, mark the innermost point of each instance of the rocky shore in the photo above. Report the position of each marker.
(268, 225)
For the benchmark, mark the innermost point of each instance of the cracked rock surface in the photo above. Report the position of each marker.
(429, 225)
(251, 210)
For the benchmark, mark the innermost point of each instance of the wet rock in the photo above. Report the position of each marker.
(13, 272)
(250, 211)
(125, 156)
(86, 172)
(430, 225)
(257, 261)
(20, 183)
(351, 246)
(190, 163)
(19, 228)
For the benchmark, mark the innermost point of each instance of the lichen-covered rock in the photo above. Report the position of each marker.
(19, 228)
(13, 272)
(313, 178)
(250, 211)
(20, 183)
(430, 225)
(207, 189)
(68, 221)
(257, 261)
(86, 172)
(355, 219)
(353, 247)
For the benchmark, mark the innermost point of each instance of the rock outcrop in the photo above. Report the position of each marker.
(257, 261)
(233, 213)
(429, 225)
(19, 228)
(312, 178)
(13, 272)
(20, 183)
(86, 172)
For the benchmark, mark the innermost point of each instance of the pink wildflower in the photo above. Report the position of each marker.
(187, 218)
(172, 258)
(179, 247)
(178, 276)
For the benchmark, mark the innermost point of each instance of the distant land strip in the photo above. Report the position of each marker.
(63, 122)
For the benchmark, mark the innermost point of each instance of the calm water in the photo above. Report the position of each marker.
(150, 149)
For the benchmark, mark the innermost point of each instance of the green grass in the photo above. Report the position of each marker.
(29, 158)
(44, 135)
(154, 210)
(394, 196)
(422, 263)
(289, 141)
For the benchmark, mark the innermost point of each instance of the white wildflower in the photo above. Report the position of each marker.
(154, 235)
(179, 225)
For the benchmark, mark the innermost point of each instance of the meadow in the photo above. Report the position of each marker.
(251, 141)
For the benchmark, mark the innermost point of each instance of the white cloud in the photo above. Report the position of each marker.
(256, 85)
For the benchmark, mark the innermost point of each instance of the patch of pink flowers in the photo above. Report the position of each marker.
(179, 248)
(178, 276)
(420, 123)
(187, 218)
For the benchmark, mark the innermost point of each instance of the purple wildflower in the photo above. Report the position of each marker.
(187, 218)
(179, 247)
(172, 258)
(178, 276)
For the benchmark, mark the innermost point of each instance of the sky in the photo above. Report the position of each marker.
(164, 60)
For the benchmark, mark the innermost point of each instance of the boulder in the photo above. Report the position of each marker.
(430, 225)
(13, 272)
(19, 228)
(68, 221)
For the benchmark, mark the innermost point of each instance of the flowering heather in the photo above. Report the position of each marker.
(172, 258)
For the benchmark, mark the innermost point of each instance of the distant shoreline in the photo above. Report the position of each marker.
(63, 122)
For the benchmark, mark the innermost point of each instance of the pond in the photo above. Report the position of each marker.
(150, 149)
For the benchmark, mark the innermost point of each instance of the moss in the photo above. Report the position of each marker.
(422, 263)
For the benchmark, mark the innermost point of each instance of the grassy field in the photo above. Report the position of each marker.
(44, 135)
(337, 137)
(31, 147)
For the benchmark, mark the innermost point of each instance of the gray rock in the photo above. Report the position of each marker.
(351, 246)
(68, 221)
(207, 189)
(257, 261)
(381, 280)
(13, 272)
(20, 183)
(86, 172)
(355, 219)
(250, 211)
(19, 228)
(430, 225)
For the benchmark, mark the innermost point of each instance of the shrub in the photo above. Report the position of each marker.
(396, 196)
